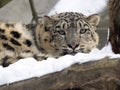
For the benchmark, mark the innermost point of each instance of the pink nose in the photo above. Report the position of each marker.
(73, 45)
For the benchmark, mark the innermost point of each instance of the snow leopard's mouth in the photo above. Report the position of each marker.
(66, 51)
(73, 52)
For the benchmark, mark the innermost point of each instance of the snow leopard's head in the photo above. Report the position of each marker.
(67, 33)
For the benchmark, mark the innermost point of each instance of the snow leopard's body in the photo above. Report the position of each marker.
(57, 35)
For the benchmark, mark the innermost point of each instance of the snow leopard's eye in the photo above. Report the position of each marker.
(61, 32)
(82, 31)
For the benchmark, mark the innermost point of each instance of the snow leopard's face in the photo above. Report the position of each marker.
(68, 33)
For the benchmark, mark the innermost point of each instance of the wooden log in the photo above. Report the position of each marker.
(96, 75)
(114, 8)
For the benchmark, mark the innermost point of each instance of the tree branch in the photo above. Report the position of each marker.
(114, 13)
(34, 13)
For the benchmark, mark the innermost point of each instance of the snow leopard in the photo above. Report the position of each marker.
(53, 36)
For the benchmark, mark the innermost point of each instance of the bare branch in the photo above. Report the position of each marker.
(34, 13)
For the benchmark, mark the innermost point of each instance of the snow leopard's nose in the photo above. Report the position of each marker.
(73, 45)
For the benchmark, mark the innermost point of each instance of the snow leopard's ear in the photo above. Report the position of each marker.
(48, 20)
(94, 19)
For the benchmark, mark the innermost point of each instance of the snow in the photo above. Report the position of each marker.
(86, 7)
(29, 67)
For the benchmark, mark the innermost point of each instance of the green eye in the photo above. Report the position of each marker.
(62, 32)
(82, 31)
(59, 30)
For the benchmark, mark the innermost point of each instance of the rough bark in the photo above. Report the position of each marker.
(114, 8)
(96, 75)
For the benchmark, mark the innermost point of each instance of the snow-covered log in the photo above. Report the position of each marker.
(95, 75)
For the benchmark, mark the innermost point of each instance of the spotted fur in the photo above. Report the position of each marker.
(60, 34)
(67, 33)
(16, 42)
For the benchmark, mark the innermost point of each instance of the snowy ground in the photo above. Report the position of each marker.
(28, 68)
